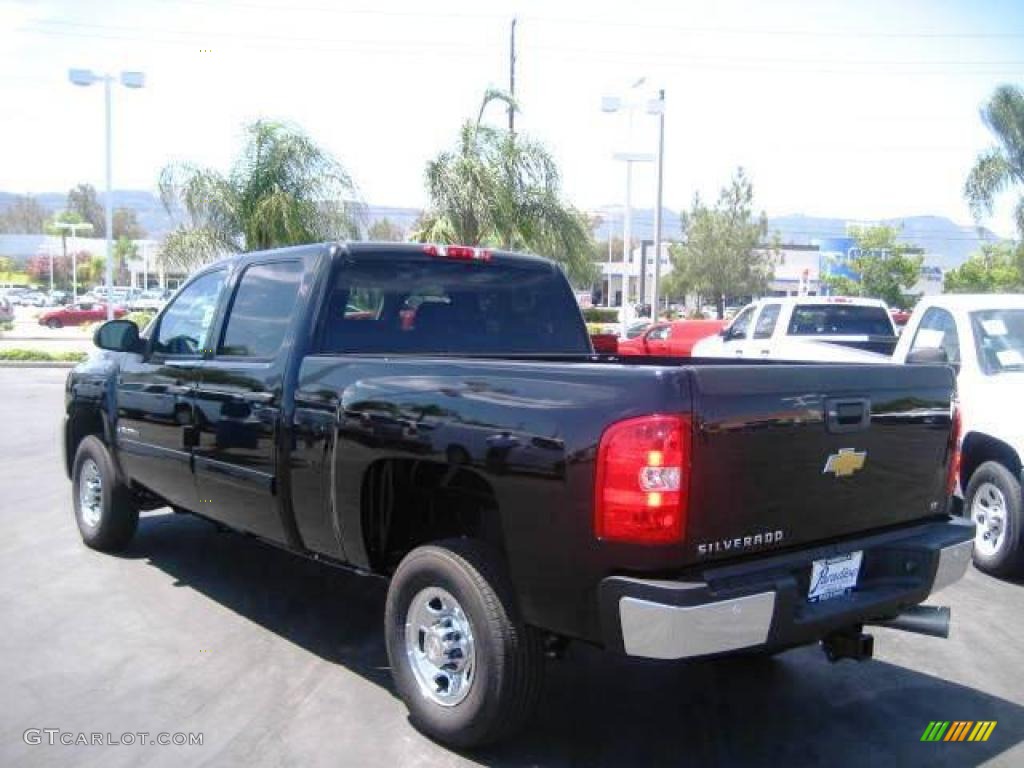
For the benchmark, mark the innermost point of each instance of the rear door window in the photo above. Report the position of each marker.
(261, 310)
(408, 305)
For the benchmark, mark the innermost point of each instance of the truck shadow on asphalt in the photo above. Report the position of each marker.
(600, 709)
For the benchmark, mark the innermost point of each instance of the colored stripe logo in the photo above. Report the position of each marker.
(958, 730)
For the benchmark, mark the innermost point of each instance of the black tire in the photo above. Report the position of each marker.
(1008, 558)
(508, 656)
(118, 512)
(54, 323)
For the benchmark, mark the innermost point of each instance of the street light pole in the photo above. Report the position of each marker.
(659, 106)
(86, 77)
(110, 208)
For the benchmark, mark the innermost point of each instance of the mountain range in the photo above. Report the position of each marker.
(946, 243)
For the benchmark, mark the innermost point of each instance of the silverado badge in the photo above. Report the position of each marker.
(845, 462)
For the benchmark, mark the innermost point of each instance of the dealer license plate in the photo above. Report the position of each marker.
(834, 576)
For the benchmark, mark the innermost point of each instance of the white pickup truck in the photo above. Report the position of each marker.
(983, 338)
(812, 328)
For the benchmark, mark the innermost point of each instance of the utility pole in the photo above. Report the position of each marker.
(512, 77)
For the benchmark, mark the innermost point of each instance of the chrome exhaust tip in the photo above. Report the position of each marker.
(930, 620)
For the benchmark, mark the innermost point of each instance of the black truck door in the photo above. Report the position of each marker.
(238, 401)
(155, 395)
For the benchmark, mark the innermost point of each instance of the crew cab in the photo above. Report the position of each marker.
(670, 339)
(435, 415)
(982, 337)
(782, 329)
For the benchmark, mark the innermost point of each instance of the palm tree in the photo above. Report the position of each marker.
(1001, 166)
(282, 190)
(500, 189)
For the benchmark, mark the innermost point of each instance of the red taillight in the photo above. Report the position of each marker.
(461, 252)
(641, 491)
(955, 438)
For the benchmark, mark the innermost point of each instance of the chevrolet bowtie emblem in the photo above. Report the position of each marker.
(846, 462)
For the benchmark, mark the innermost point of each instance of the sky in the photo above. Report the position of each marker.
(860, 110)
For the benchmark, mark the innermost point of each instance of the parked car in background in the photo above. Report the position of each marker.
(6, 310)
(58, 298)
(29, 299)
(982, 337)
(671, 339)
(635, 328)
(78, 314)
(777, 328)
(900, 317)
(148, 301)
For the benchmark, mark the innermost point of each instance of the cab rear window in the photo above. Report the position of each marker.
(451, 307)
(839, 320)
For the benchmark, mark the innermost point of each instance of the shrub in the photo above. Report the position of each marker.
(40, 355)
(600, 315)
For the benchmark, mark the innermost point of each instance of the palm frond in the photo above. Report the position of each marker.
(989, 176)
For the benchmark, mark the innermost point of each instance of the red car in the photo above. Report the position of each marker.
(78, 314)
(674, 339)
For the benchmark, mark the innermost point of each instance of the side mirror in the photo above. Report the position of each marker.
(118, 336)
(928, 356)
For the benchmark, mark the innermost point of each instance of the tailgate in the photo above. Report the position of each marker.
(794, 454)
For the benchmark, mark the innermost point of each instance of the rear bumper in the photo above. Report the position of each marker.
(763, 605)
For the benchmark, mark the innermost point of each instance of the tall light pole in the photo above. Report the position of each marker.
(657, 107)
(618, 104)
(86, 77)
(74, 226)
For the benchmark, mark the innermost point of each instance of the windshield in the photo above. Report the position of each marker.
(839, 320)
(999, 338)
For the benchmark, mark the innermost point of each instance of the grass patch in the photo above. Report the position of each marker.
(39, 355)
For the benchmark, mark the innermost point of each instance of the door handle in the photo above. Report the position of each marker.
(766, 351)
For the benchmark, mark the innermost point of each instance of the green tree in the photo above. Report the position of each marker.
(886, 267)
(1001, 166)
(722, 253)
(283, 189)
(84, 201)
(54, 227)
(500, 189)
(124, 251)
(385, 230)
(997, 268)
(126, 224)
(24, 216)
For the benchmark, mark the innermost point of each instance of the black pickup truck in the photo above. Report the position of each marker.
(436, 415)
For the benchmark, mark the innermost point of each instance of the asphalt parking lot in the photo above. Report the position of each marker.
(280, 661)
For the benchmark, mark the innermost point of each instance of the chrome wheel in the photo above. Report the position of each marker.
(439, 645)
(90, 493)
(988, 508)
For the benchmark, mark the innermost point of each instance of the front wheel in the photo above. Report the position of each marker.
(993, 501)
(463, 662)
(105, 511)
(53, 323)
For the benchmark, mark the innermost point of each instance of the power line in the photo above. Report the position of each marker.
(434, 46)
(619, 23)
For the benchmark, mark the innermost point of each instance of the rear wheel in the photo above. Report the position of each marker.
(466, 666)
(53, 323)
(993, 500)
(105, 511)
